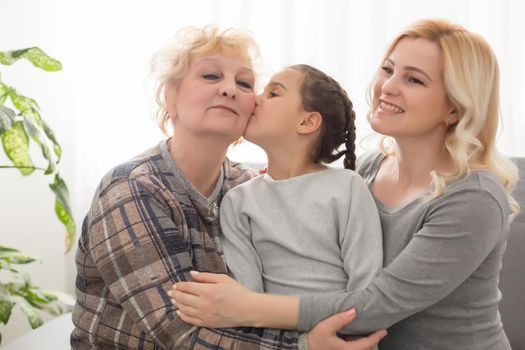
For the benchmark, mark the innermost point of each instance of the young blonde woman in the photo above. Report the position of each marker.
(443, 194)
(154, 218)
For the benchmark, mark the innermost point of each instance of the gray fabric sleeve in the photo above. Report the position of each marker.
(457, 236)
(241, 257)
(362, 243)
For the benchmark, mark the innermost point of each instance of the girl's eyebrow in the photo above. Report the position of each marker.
(276, 83)
(411, 68)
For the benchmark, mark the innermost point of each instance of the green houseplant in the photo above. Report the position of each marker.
(20, 126)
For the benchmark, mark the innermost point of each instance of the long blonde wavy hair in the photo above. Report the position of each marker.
(471, 77)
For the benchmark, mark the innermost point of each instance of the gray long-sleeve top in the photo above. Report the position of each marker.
(305, 234)
(439, 289)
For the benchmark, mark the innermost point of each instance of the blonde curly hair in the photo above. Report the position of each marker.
(170, 64)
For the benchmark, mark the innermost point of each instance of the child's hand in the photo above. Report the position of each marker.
(214, 300)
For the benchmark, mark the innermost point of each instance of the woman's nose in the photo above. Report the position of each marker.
(228, 90)
(390, 85)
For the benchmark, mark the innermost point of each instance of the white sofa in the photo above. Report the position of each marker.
(53, 335)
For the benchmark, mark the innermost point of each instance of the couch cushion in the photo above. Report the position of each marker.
(512, 277)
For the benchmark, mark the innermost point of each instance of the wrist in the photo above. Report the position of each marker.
(273, 311)
(253, 310)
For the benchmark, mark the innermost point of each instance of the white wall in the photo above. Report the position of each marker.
(27, 204)
(100, 105)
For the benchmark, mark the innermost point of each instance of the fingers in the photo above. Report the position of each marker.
(182, 298)
(187, 287)
(338, 321)
(199, 277)
(205, 277)
(189, 319)
(189, 311)
(371, 341)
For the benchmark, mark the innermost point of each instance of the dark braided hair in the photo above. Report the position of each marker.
(321, 93)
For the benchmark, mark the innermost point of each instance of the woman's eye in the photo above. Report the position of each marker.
(416, 81)
(272, 94)
(244, 84)
(387, 69)
(210, 76)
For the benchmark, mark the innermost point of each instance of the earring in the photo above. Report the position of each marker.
(447, 122)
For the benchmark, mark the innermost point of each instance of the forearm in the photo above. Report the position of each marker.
(273, 311)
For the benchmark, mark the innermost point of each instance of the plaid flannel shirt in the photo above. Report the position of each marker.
(144, 232)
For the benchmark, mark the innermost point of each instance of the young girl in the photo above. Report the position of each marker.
(302, 227)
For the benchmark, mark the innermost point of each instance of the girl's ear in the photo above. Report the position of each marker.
(310, 123)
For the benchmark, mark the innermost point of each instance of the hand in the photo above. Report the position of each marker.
(324, 335)
(214, 300)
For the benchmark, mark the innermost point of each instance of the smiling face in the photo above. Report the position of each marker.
(409, 95)
(215, 97)
(279, 110)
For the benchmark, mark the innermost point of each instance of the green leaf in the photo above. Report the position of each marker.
(16, 147)
(32, 316)
(4, 92)
(34, 55)
(7, 58)
(3, 249)
(22, 103)
(34, 131)
(5, 309)
(53, 309)
(62, 209)
(16, 258)
(64, 298)
(7, 119)
(26, 278)
(29, 109)
(34, 297)
(51, 136)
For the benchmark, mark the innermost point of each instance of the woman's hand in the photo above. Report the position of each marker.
(214, 300)
(324, 335)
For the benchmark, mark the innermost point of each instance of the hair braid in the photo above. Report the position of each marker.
(323, 94)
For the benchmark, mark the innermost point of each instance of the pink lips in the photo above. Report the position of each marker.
(225, 108)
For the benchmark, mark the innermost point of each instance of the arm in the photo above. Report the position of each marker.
(244, 263)
(457, 236)
(139, 248)
(322, 336)
(362, 240)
